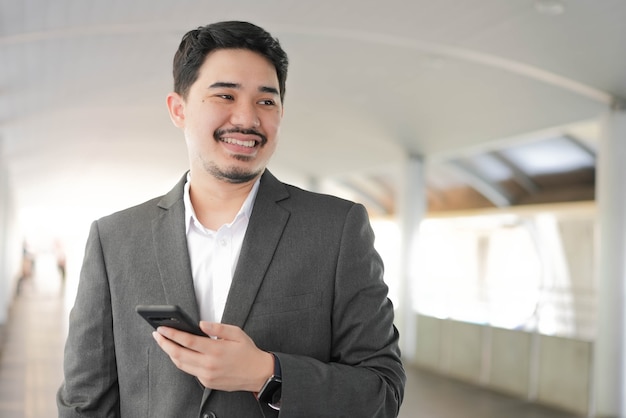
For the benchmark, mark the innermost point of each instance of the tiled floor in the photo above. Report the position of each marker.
(31, 352)
(430, 395)
(30, 369)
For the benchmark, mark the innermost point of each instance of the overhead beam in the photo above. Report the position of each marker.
(580, 145)
(493, 192)
(519, 176)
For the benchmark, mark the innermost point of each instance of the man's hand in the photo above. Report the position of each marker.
(227, 361)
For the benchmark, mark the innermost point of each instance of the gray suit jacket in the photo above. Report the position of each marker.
(308, 286)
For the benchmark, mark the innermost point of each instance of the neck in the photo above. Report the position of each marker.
(216, 202)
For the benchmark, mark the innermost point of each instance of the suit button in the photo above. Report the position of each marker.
(209, 415)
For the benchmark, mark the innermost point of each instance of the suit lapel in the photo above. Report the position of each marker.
(170, 244)
(265, 228)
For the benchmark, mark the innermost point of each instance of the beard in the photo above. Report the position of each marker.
(234, 175)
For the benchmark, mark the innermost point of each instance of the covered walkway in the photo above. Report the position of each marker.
(31, 366)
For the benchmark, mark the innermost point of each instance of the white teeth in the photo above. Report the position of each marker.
(249, 144)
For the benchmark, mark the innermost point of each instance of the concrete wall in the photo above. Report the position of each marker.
(549, 370)
(511, 365)
(564, 373)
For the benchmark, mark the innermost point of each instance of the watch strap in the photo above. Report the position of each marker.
(272, 389)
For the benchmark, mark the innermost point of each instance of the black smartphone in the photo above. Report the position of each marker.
(169, 316)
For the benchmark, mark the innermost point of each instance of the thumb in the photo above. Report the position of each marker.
(221, 331)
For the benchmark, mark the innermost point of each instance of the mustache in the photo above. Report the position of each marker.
(221, 132)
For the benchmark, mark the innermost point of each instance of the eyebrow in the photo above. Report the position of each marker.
(228, 85)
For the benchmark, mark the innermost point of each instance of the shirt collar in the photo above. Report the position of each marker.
(246, 208)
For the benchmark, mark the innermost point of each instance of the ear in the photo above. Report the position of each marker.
(176, 108)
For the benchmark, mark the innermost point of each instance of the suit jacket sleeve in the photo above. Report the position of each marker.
(90, 388)
(364, 377)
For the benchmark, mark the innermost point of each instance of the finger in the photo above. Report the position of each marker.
(160, 339)
(223, 331)
(167, 332)
(167, 345)
(182, 338)
(181, 357)
(207, 328)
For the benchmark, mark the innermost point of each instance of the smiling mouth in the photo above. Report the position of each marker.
(246, 139)
(242, 143)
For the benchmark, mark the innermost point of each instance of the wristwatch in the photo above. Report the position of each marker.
(271, 391)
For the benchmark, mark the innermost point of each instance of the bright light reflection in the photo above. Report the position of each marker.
(482, 270)
(388, 246)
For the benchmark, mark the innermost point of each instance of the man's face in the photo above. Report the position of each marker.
(231, 116)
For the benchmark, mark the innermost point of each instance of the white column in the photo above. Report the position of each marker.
(412, 204)
(4, 241)
(609, 368)
(10, 250)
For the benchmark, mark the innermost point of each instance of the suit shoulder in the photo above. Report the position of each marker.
(134, 214)
(320, 202)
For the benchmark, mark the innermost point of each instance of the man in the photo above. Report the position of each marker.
(286, 283)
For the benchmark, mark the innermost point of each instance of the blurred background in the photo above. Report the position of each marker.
(483, 136)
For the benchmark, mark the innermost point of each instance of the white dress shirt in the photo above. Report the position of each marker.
(214, 255)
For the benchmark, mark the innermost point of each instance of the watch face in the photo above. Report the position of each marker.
(276, 396)
(270, 389)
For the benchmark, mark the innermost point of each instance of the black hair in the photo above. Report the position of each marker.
(198, 43)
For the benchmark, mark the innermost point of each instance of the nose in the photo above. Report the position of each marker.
(245, 115)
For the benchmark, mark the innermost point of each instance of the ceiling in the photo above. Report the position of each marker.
(500, 99)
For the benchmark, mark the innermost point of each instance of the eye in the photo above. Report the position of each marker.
(267, 102)
(226, 96)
